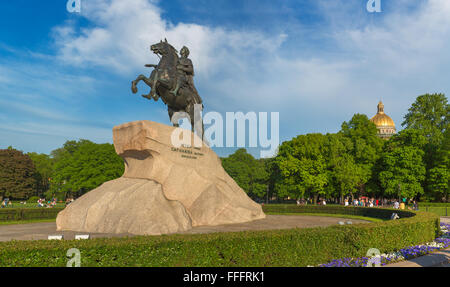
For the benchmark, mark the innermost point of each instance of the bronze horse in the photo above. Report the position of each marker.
(165, 84)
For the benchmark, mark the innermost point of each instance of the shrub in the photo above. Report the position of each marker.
(32, 200)
(291, 247)
(17, 214)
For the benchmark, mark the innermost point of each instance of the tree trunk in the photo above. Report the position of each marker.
(315, 199)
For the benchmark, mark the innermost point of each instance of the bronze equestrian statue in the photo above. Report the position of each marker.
(172, 81)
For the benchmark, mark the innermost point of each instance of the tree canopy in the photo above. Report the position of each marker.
(82, 166)
(414, 163)
(249, 173)
(17, 175)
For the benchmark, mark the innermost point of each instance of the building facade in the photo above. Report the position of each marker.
(384, 123)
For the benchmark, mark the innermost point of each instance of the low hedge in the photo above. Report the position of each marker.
(291, 247)
(17, 214)
(381, 213)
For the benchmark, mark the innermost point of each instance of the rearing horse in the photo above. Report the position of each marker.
(163, 84)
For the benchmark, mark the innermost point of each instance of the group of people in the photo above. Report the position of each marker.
(41, 202)
(48, 204)
(368, 202)
(372, 202)
(6, 202)
(305, 202)
(364, 202)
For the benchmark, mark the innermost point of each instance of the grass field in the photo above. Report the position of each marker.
(439, 210)
(371, 219)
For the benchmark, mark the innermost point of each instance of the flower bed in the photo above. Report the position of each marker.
(442, 242)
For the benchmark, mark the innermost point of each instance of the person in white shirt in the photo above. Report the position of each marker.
(396, 205)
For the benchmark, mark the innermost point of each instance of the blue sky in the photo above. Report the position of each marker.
(67, 76)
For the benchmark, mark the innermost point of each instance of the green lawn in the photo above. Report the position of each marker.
(371, 219)
(439, 210)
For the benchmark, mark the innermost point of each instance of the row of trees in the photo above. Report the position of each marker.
(413, 163)
(71, 170)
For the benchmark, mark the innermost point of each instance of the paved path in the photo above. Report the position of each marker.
(41, 231)
(445, 219)
(437, 259)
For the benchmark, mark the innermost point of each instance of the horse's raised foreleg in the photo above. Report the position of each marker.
(135, 82)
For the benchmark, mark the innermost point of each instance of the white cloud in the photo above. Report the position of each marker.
(394, 58)
(403, 43)
(124, 29)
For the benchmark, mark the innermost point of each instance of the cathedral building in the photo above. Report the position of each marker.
(384, 123)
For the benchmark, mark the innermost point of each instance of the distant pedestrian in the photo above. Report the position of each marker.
(396, 205)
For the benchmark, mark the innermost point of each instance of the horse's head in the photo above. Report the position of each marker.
(163, 48)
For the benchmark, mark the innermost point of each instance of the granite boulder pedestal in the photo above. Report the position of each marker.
(164, 189)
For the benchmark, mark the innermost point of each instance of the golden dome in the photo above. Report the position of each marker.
(381, 119)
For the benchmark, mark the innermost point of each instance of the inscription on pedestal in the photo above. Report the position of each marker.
(188, 152)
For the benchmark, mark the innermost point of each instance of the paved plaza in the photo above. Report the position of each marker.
(41, 231)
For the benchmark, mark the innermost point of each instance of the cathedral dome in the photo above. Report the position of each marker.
(384, 123)
(382, 120)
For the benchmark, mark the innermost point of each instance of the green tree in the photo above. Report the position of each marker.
(347, 175)
(439, 174)
(249, 173)
(17, 175)
(302, 166)
(44, 167)
(366, 147)
(429, 115)
(82, 166)
(402, 167)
